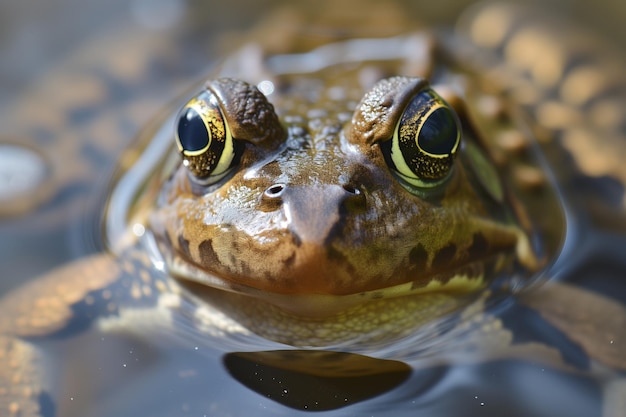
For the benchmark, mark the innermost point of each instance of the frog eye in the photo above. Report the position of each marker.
(204, 139)
(425, 140)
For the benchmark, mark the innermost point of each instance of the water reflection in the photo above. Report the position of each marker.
(315, 380)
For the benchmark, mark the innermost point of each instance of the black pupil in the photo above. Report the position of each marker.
(192, 132)
(439, 132)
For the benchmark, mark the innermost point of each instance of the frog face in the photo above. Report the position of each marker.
(331, 191)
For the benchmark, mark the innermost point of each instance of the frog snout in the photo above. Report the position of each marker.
(312, 212)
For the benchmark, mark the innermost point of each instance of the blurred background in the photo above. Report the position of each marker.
(35, 34)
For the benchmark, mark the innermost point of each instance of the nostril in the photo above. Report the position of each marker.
(355, 201)
(351, 189)
(275, 191)
(272, 197)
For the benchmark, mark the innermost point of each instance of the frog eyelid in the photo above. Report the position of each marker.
(211, 124)
(376, 115)
(418, 132)
(247, 111)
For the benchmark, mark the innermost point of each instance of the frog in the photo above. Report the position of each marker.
(340, 211)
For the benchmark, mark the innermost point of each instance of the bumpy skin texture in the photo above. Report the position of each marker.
(377, 113)
(324, 213)
(248, 113)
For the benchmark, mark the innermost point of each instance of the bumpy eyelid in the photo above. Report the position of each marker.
(250, 116)
(376, 116)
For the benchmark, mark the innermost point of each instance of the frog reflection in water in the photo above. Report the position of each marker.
(350, 205)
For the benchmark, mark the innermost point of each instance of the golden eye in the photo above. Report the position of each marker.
(425, 140)
(204, 139)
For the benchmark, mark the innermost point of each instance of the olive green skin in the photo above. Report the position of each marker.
(319, 210)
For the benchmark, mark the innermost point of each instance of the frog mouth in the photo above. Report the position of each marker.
(468, 280)
(458, 281)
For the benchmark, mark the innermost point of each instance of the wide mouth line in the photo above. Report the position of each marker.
(464, 279)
